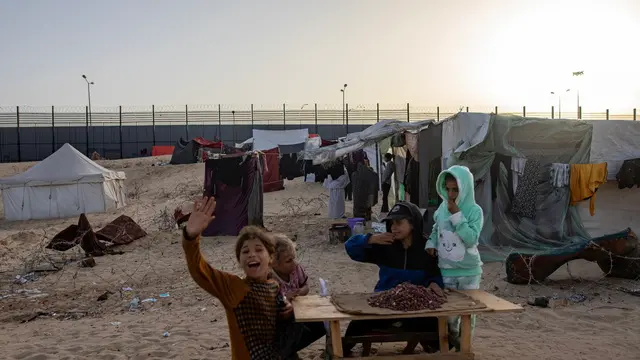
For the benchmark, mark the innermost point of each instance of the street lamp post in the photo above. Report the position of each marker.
(89, 83)
(578, 73)
(559, 102)
(344, 91)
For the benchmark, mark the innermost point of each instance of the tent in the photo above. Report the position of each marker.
(65, 184)
(492, 146)
(271, 180)
(236, 182)
(186, 152)
(160, 150)
(365, 138)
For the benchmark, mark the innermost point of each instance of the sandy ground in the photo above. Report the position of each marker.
(75, 325)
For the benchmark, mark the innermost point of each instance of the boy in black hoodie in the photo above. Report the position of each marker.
(399, 253)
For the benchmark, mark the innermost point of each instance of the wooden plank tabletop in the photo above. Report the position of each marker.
(315, 308)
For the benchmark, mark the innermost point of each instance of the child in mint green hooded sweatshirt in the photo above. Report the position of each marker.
(458, 223)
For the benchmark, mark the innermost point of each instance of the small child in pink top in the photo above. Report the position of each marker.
(290, 275)
(293, 282)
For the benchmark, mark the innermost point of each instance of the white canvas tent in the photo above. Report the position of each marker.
(66, 183)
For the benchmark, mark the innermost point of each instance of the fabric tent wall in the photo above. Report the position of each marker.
(616, 210)
(549, 141)
(184, 152)
(614, 141)
(238, 204)
(271, 178)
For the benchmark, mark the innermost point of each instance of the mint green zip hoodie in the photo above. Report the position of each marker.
(455, 236)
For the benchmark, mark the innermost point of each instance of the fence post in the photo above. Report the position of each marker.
(186, 121)
(53, 129)
(346, 117)
(607, 116)
(153, 123)
(252, 117)
(408, 116)
(377, 112)
(120, 128)
(524, 111)
(438, 113)
(86, 128)
(18, 132)
(233, 125)
(552, 112)
(315, 116)
(219, 123)
(495, 111)
(284, 116)
(634, 114)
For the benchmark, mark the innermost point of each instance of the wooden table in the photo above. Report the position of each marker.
(314, 308)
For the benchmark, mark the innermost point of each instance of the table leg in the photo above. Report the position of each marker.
(465, 334)
(443, 334)
(336, 339)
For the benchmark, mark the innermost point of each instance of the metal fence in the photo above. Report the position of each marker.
(33, 133)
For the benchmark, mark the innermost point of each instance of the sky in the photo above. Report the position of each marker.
(449, 53)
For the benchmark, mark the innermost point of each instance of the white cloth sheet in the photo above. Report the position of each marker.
(560, 175)
(336, 195)
(269, 139)
(517, 166)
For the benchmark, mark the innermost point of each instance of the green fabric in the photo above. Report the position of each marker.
(401, 192)
(557, 225)
(455, 236)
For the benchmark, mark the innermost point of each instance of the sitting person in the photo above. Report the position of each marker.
(294, 282)
(399, 253)
(255, 310)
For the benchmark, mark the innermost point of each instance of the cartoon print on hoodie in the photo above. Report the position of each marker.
(456, 236)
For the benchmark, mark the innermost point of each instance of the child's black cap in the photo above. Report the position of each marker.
(399, 212)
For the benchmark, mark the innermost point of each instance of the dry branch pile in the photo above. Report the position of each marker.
(407, 297)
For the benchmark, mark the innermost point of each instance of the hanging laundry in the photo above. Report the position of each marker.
(559, 175)
(629, 174)
(499, 160)
(412, 144)
(584, 182)
(524, 201)
(517, 166)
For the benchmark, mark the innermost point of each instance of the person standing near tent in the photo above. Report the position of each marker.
(365, 190)
(457, 225)
(389, 168)
(336, 194)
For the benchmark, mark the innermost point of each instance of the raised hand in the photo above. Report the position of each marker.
(452, 207)
(381, 239)
(201, 216)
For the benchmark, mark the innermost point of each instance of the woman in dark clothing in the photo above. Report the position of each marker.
(400, 255)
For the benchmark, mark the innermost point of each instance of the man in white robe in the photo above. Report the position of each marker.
(336, 195)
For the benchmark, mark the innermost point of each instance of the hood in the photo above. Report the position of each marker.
(466, 186)
(417, 221)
